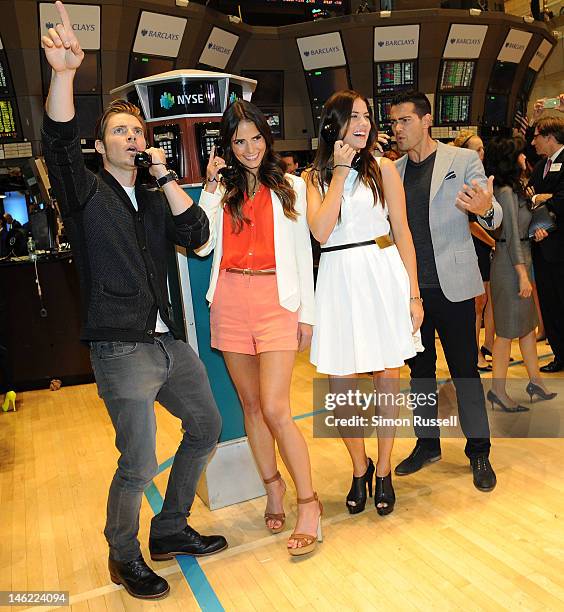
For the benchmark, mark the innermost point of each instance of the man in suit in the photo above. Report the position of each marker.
(442, 186)
(547, 180)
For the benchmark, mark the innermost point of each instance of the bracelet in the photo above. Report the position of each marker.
(416, 297)
(341, 166)
(209, 180)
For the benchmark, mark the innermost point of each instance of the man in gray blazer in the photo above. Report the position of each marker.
(443, 185)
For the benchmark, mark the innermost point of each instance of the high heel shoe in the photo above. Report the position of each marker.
(356, 499)
(10, 399)
(487, 353)
(533, 389)
(275, 516)
(309, 542)
(494, 400)
(384, 494)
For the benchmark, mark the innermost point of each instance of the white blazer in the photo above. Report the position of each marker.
(292, 250)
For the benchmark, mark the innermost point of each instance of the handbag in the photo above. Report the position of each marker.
(542, 219)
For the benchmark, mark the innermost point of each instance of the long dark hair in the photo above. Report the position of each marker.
(270, 174)
(501, 159)
(338, 110)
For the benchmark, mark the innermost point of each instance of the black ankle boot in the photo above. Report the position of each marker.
(138, 579)
(384, 494)
(356, 499)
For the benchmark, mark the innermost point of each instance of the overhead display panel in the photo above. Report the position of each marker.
(85, 21)
(159, 34)
(8, 119)
(465, 41)
(218, 48)
(396, 43)
(322, 51)
(540, 55)
(514, 46)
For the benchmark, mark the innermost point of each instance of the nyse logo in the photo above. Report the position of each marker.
(322, 51)
(77, 27)
(219, 48)
(167, 100)
(162, 35)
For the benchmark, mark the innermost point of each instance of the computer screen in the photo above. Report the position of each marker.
(15, 204)
(274, 118)
(394, 76)
(383, 106)
(6, 88)
(456, 74)
(453, 109)
(495, 110)
(322, 84)
(8, 119)
(270, 87)
(502, 78)
(141, 66)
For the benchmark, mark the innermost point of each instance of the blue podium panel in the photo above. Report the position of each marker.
(222, 387)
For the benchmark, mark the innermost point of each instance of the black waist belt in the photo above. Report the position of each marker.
(521, 239)
(381, 241)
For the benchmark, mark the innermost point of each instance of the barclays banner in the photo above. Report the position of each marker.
(322, 51)
(218, 48)
(540, 55)
(85, 21)
(159, 34)
(393, 43)
(465, 41)
(514, 46)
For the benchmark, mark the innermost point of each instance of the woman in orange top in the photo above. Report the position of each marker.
(262, 307)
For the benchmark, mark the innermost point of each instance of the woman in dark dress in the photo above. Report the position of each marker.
(513, 304)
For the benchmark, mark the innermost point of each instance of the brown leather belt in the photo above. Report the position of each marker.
(381, 241)
(249, 272)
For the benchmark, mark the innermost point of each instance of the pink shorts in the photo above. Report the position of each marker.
(246, 316)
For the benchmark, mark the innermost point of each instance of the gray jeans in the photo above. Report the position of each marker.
(130, 377)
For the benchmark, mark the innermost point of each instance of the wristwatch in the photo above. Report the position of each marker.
(169, 176)
(488, 215)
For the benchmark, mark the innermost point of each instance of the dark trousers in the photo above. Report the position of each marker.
(130, 377)
(549, 277)
(455, 324)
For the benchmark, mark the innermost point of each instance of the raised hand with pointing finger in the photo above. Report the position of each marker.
(62, 49)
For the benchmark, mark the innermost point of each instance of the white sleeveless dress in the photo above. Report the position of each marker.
(363, 322)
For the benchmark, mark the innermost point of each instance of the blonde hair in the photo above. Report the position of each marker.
(113, 108)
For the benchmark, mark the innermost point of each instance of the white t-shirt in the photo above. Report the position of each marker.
(160, 326)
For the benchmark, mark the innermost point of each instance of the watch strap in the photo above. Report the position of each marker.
(167, 178)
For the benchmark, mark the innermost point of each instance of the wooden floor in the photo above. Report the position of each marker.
(446, 546)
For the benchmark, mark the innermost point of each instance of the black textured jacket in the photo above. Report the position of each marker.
(120, 253)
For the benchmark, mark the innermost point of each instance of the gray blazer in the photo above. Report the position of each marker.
(455, 256)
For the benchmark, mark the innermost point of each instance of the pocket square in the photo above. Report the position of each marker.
(450, 175)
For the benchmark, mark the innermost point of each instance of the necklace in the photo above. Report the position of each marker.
(256, 188)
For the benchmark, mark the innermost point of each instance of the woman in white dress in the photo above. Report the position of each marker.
(368, 306)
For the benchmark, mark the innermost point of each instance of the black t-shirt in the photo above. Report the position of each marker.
(417, 185)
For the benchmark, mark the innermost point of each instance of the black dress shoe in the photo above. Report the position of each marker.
(419, 457)
(187, 542)
(138, 579)
(553, 366)
(484, 476)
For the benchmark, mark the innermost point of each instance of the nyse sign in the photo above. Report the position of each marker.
(188, 98)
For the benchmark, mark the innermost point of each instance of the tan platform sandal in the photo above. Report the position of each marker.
(273, 516)
(308, 541)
